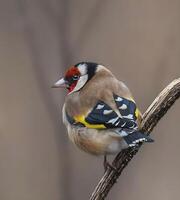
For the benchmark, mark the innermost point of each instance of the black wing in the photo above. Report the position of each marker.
(104, 114)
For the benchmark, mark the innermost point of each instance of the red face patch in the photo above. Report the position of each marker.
(72, 72)
(71, 77)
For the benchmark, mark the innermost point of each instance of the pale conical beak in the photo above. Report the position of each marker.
(60, 83)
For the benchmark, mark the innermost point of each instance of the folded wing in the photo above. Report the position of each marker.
(102, 116)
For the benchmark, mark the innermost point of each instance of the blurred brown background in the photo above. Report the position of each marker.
(138, 40)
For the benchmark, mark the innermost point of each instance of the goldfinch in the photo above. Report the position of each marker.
(99, 112)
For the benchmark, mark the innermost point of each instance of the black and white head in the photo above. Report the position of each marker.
(78, 75)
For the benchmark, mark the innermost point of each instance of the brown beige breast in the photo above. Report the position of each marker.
(95, 142)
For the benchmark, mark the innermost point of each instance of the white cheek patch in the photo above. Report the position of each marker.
(81, 82)
(82, 68)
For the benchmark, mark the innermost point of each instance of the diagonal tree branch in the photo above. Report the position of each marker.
(151, 117)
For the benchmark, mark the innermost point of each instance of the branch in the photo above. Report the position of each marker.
(151, 117)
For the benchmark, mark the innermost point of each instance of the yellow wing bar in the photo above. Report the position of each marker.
(81, 119)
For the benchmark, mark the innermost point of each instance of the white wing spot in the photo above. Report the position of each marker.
(100, 107)
(113, 121)
(118, 99)
(130, 116)
(123, 124)
(106, 112)
(123, 107)
(132, 145)
(139, 140)
(117, 123)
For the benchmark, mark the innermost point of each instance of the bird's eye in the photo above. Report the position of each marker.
(75, 77)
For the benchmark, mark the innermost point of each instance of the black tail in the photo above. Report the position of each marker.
(137, 137)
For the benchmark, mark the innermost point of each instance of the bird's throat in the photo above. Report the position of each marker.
(72, 86)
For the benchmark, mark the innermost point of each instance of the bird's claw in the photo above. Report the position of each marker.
(108, 165)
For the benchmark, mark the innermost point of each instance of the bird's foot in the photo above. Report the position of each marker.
(109, 165)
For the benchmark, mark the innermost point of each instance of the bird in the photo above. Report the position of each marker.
(99, 112)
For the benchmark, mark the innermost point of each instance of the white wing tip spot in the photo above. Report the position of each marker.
(130, 116)
(132, 145)
(113, 121)
(139, 140)
(118, 99)
(106, 112)
(123, 107)
(99, 107)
